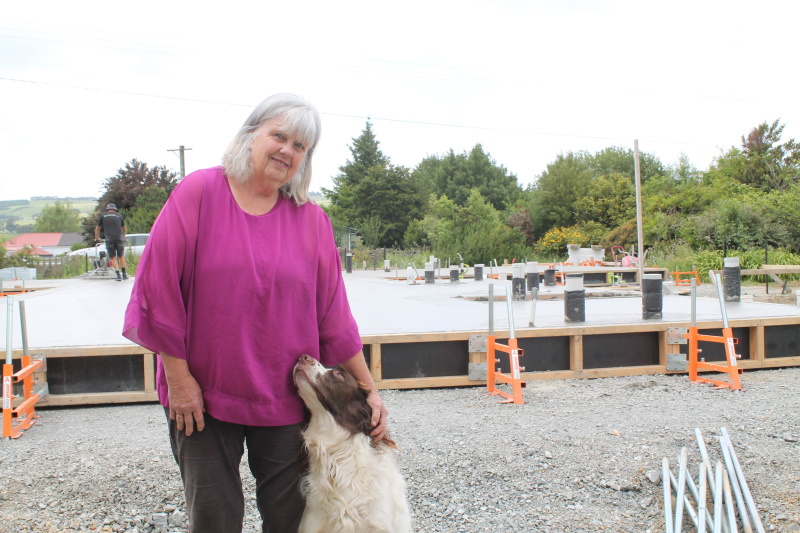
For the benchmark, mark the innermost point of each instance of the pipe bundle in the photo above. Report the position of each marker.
(719, 501)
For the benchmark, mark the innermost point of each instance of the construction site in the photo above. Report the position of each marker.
(429, 331)
(439, 329)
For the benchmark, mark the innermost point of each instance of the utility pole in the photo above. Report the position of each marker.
(183, 162)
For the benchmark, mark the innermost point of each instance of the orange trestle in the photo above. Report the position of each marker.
(25, 412)
(685, 282)
(731, 368)
(493, 374)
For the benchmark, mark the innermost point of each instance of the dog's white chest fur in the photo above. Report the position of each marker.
(352, 486)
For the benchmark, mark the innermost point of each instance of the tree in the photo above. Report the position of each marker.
(124, 189)
(140, 219)
(609, 201)
(762, 161)
(737, 222)
(366, 154)
(783, 207)
(373, 194)
(551, 199)
(618, 160)
(455, 176)
(58, 218)
(520, 219)
(130, 182)
(476, 231)
(684, 171)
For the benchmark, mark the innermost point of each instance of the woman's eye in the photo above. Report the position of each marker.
(299, 146)
(280, 136)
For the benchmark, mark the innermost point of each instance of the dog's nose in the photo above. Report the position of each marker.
(305, 358)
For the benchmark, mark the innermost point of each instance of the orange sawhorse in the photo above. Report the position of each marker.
(727, 338)
(493, 374)
(25, 413)
(687, 281)
(696, 363)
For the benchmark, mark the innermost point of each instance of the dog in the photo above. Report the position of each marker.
(353, 484)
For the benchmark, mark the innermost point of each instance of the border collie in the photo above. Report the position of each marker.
(353, 484)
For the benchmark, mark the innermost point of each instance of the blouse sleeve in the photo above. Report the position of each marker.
(156, 317)
(339, 338)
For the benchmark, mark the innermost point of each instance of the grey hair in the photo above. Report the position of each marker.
(300, 118)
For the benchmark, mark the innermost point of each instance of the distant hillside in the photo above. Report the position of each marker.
(319, 198)
(24, 212)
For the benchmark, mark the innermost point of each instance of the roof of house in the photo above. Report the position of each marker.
(39, 240)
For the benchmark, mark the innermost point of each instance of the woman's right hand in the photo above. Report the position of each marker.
(185, 396)
(186, 404)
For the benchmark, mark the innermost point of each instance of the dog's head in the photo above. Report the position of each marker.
(335, 391)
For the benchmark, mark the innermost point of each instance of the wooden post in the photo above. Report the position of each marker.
(639, 230)
(375, 365)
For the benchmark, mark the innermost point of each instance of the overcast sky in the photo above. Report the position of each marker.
(87, 86)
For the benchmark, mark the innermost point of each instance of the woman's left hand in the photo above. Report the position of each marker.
(379, 416)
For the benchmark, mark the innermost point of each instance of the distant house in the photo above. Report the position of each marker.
(44, 244)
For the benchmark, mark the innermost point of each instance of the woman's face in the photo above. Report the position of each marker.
(276, 154)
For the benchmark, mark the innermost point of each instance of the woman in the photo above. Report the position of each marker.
(241, 276)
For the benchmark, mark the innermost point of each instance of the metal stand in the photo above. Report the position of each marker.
(696, 363)
(25, 413)
(494, 374)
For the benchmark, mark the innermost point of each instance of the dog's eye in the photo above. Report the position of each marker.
(339, 374)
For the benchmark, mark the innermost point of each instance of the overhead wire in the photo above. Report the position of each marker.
(345, 115)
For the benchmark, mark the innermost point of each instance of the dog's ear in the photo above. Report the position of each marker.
(388, 442)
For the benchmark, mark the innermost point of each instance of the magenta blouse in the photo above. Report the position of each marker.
(241, 297)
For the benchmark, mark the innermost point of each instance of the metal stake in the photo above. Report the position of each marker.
(510, 314)
(9, 326)
(491, 309)
(729, 502)
(748, 497)
(686, 503)
(718, 500)
(667, 495)
(681, 489)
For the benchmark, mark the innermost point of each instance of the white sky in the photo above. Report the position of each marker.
(86, 86)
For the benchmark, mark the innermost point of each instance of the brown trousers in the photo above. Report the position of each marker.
(209, 464)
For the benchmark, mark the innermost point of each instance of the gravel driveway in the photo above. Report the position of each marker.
(577, 457)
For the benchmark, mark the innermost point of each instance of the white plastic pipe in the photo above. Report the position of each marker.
(9, 326)
(737, 489)
(748, 497)
(667, 495)
(726, 487)
(701, 500)
(686, 503)
(718, 520)
(681, 489)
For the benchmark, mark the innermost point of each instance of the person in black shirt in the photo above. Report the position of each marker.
(113, 225)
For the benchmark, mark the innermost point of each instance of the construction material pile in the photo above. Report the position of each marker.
(720, 499)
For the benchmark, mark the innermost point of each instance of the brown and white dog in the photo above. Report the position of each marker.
(353, 485)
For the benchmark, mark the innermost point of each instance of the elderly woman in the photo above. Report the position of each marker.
(240, 277)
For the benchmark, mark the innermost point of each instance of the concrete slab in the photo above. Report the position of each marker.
(77, 312)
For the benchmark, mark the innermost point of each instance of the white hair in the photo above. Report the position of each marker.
(300, 118)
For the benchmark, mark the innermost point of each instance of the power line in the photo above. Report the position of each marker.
(361, 117)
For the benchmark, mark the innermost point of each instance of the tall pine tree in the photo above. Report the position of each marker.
(369, 190)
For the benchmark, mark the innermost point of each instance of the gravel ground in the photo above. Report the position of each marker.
(577, 457)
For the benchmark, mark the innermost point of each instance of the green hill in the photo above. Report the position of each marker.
(24, 212)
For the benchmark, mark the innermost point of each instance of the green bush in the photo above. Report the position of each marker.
(680, 257)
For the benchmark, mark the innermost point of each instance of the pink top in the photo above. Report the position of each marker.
(241, 297)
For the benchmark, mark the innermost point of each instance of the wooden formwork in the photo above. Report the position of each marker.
(126, 374)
